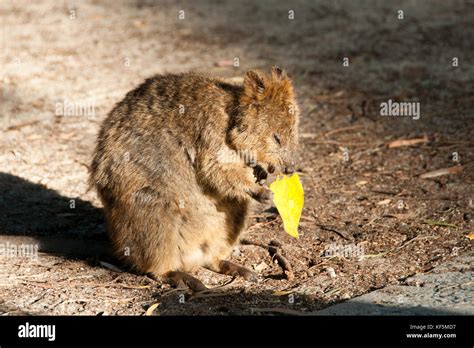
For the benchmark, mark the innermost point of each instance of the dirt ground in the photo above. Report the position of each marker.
(370, 200)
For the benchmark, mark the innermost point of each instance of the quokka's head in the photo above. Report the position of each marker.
(267, 123)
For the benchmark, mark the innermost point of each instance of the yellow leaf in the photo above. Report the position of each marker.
(289, 200)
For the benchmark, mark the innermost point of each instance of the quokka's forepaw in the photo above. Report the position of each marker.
(264, 196)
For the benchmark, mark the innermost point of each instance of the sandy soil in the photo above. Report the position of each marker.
(360, 193)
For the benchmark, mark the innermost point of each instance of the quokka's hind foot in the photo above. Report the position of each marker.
(232, 269)
(183, 279)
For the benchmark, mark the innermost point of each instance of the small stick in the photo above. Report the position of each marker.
(250, 242)
(386, 192)
(21, 125)
(333, 142)
(277, 310)
(444, 171)
(274, 254)
(407, 142)
(283, 262)
(343, 129)
(261, 224)
(344, 234)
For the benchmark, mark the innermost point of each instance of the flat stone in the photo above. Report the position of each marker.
(446, 290)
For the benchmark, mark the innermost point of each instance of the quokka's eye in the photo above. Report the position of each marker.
(277, 139)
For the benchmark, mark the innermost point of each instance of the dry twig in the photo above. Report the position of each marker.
(275, 255)
(276, 310)
(407, 142)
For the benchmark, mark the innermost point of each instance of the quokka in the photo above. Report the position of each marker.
(171, 203)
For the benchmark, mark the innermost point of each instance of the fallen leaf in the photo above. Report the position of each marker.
(223, 63)
(439, 223)
(309, 135)
(440, 172)
(308, 218)
(260, 267)
(67, 135)
(331, 272)
(96, 17)
(407, 142)
(24, 124)
(235, 79)
(110, 266)
(371, 256)
(151, 309)
(329, 96)
(361, 183)
(139, 23)
(384, 202)
(471, 236)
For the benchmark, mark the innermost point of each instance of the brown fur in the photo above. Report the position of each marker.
(171, 203)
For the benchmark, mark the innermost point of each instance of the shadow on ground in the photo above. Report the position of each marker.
(31, 209)
(267, 303)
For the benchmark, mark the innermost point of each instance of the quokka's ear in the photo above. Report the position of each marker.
(254, 85)
(278, 73)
